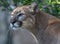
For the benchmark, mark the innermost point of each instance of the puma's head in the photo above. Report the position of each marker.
(24, 16)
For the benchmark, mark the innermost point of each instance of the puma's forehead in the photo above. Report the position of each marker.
(20, 9)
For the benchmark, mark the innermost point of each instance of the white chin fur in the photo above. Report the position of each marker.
(14, 28)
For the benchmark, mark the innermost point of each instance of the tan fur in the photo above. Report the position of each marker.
(45, 27)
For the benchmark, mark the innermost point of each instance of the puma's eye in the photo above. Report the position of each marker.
(21, 17)
(20, 14)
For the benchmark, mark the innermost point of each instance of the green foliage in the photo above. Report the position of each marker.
(52, 7)
(4, 3)
(49, 6)
(27, 2)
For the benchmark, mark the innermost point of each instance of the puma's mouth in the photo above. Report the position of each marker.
(15, 25)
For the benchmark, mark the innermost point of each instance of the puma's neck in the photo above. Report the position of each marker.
(41, 22)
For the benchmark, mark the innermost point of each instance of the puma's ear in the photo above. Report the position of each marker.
(34, 7)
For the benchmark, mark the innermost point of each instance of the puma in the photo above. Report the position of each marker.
(44, 26)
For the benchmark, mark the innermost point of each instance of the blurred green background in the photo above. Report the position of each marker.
(49, 6)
